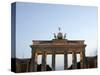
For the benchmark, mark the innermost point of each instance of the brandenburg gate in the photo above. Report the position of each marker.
(58, 45)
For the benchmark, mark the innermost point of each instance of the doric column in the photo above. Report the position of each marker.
(53, 60)
(33, 63)
(82, 58)
(74, 60)
(43, 67)
(27, 67)
(65, 60)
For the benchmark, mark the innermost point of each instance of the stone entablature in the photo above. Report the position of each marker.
(58, 42)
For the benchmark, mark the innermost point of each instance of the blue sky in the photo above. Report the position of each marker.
(36, 21)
